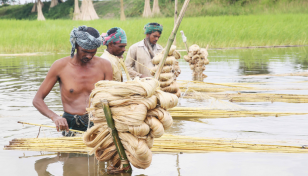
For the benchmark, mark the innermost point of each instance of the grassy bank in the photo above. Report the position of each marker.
(134, 8)
(222, 31)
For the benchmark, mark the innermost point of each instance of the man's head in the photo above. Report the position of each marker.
(153, 32)
(115, 39)
(86, 40)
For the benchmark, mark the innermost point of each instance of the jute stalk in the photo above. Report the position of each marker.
(48, 126)
(171, 39)
(116, 140)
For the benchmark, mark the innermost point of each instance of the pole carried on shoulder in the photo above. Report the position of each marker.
(171, 39)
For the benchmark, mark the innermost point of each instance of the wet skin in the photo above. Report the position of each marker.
(76, 77)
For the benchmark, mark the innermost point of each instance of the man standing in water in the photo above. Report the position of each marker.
(140, 55)
(115, 40)
(77, 75)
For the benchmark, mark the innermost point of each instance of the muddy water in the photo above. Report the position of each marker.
(20, 78)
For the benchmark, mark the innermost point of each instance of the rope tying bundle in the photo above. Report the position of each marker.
(139, 112)
(197, 58)
(170, 71)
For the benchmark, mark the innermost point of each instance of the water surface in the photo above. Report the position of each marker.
(20, 78)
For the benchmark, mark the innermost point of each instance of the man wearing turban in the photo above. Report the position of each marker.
(140, 55)
(115, 40)
(76, 75)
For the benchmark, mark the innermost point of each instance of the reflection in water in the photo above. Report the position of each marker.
(73, 165)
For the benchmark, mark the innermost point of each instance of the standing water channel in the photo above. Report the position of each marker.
(20, 78)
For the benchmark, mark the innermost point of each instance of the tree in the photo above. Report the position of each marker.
(87, 11)
(156, 9)
(147, 9)
(7, 1)
(122, 11)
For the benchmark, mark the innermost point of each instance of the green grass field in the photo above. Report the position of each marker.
(220, 31)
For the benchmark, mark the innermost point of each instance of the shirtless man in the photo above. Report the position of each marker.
(77, 75)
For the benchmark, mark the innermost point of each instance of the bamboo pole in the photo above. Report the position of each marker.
(48, 126)
(175, 16)
(171, 39)
(116, 140)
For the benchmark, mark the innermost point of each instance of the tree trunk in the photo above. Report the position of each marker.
(122, 11)
(53, 3)
(156, 9)
(87, 11)
(147, 9)
(76, 11)
(40, 15)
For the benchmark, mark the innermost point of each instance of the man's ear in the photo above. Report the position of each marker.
(110, 44)
(76, 45)
(148, 35)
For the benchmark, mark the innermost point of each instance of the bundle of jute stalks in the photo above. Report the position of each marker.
(138, 109)
(197, 58)
(170, 71)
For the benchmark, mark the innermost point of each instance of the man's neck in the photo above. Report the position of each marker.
(109, 52)
(76, 61)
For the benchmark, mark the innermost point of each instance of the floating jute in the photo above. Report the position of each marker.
(167, 143)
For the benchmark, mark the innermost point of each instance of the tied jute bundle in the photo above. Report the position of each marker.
(197, 58)
(139, 112)
(170, 71)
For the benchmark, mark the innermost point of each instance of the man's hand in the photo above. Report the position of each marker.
(61, 123)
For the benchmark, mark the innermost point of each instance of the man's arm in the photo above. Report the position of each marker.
(38, 101)
(108, 70)
(130, 62)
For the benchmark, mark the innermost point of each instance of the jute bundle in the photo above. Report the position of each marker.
(139, 112)
(197, 58)
(170, 71)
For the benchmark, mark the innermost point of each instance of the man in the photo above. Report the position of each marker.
(115, 40)
(76, 75)
(140, 55)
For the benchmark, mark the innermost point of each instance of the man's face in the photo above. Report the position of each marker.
(154, 37)
(85, 55)
(116, 49)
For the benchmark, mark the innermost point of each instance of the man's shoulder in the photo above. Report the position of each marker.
(61, 62)
(102, 60)
(159, 47)
(140, 43)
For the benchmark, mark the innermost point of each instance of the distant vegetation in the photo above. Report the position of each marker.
(19, 36)
(134, 8)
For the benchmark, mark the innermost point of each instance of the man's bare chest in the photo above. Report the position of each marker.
(79, 81)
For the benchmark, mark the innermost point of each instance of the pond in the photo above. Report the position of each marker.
(21, 76)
